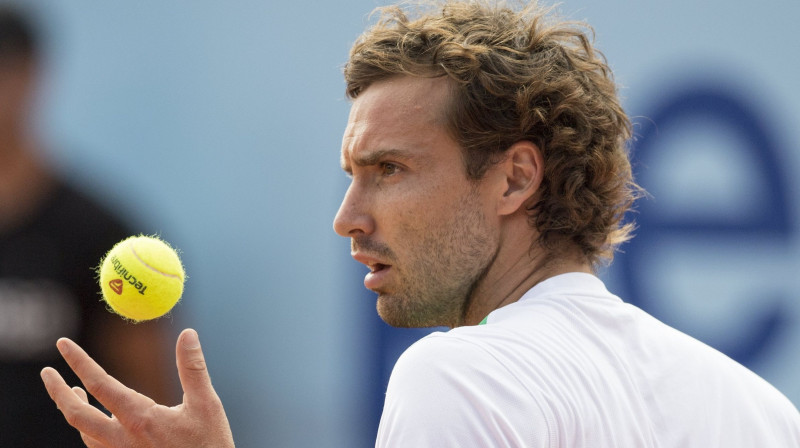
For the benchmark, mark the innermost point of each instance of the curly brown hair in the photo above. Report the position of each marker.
(519, 74)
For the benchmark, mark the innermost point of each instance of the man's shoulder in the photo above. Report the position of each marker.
(448, 389)
(441, 349)
(521, 337)
(472, 359)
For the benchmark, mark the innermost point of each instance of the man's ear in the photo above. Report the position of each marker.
(523, 171)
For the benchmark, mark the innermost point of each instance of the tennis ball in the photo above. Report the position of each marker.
(141, 278)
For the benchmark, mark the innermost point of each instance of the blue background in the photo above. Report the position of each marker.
(218, 126)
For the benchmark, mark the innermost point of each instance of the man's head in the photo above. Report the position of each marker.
(486, 149)
(17, 37)
(518, 76)
(18, 61)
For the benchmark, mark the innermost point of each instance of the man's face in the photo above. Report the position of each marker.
(426, 232)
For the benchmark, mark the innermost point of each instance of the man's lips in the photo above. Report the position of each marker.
(374, 264)
(377, 270)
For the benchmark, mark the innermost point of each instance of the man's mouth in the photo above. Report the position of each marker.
(377, 277)
(378, 274)
(377, 267)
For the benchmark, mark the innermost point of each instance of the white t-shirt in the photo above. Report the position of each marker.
(571, 365)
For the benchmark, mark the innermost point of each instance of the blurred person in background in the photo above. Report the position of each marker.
(52, 237)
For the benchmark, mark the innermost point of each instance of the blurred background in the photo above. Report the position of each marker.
(218, 126)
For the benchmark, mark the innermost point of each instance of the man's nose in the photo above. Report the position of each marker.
(353, 217)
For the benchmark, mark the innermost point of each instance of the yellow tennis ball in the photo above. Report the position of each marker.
(141, 278)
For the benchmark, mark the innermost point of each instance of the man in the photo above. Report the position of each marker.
(489, 178)
(51, 236)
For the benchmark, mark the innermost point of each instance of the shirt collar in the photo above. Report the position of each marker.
(572, 283)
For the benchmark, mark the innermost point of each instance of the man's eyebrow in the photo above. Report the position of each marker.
(373, 157)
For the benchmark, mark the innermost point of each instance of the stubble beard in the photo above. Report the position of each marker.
(447, 264)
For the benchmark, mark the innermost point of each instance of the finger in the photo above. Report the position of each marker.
(192, 370)
(84, 417)
(88, 441)
(81, 393)
(126, 404)
(92, 443)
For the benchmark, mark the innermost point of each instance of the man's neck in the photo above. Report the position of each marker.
(517, 268)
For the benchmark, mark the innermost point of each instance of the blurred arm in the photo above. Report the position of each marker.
(138, 355)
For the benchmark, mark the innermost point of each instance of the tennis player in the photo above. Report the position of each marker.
(487, 152)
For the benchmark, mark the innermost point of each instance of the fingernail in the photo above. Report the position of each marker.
(62, 345)
(190, 339)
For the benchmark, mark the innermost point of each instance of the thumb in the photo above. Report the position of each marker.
(192, 370)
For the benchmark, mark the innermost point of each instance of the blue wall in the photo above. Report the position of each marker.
(218, 125)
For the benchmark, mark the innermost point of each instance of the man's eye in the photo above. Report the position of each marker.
(387, 168)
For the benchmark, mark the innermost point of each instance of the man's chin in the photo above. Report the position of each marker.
(397, 312)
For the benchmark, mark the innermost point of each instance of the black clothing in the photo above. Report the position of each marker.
(48, 289)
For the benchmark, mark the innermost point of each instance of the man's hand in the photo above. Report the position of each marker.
(137, 421)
